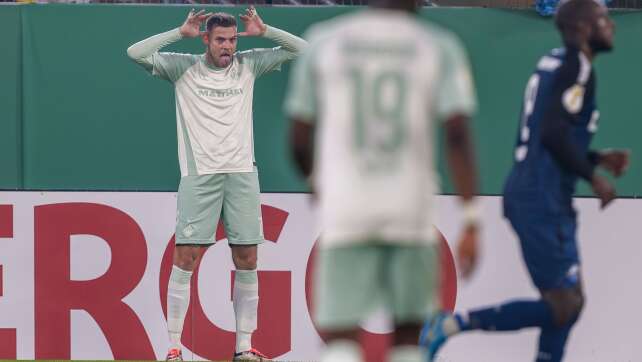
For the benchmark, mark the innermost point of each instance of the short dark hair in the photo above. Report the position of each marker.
(571, 12)
(220, 19)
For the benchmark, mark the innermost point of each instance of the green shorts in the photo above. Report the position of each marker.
(203, 199)
(351, 281)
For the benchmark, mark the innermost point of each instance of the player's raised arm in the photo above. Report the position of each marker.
(254, 26)
(265, 60)
(143, 51)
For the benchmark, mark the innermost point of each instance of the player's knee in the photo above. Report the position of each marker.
(566, 304)
(185, 263)
(186, 257)
(244, 258)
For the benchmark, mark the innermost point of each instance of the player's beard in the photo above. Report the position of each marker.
(219, 62)
(599, 45)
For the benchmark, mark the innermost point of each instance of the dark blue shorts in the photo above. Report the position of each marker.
(549, 247)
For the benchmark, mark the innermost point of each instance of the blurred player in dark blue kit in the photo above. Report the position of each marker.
(559, 118)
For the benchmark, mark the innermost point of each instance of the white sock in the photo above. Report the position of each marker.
(177, 303)
(408, 354)
(246, 303)
(342, 351)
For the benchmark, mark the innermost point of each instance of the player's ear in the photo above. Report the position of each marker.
(206, 37)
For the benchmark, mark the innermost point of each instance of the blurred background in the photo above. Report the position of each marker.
(77, 115)
(517, 4)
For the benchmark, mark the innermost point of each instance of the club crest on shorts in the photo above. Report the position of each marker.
(189, 230)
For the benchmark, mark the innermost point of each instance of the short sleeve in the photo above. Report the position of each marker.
(265, 60)
(569, 86)
(171, 66)
(301, 98)
(455, 92)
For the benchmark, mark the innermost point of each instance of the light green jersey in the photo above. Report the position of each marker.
(214, 106)
(378, 82)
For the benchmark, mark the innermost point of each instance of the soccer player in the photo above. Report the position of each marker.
(364, 101)
(559, 118)
(214, 94)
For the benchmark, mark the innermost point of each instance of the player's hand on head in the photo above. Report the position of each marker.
(467, 251)
(603, 189)
(191, 28)
(615, 161)
(252, 22)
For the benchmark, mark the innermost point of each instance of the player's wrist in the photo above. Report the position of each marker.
(181, 31)
(595, 157)
(597, 180)
(267, 31)
(471, 213)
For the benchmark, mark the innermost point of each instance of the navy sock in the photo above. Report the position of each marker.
(552, 342)
(509, 316)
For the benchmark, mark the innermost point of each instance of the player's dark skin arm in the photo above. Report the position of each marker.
(459, 148)
(461, 162)
(557, 126)
(589, 29)
(556, 137)
(302, 145)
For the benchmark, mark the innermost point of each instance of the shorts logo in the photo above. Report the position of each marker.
(573, 271)
(573, 274)
(188, 231)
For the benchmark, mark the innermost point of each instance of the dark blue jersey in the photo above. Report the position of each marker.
(558, 120)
